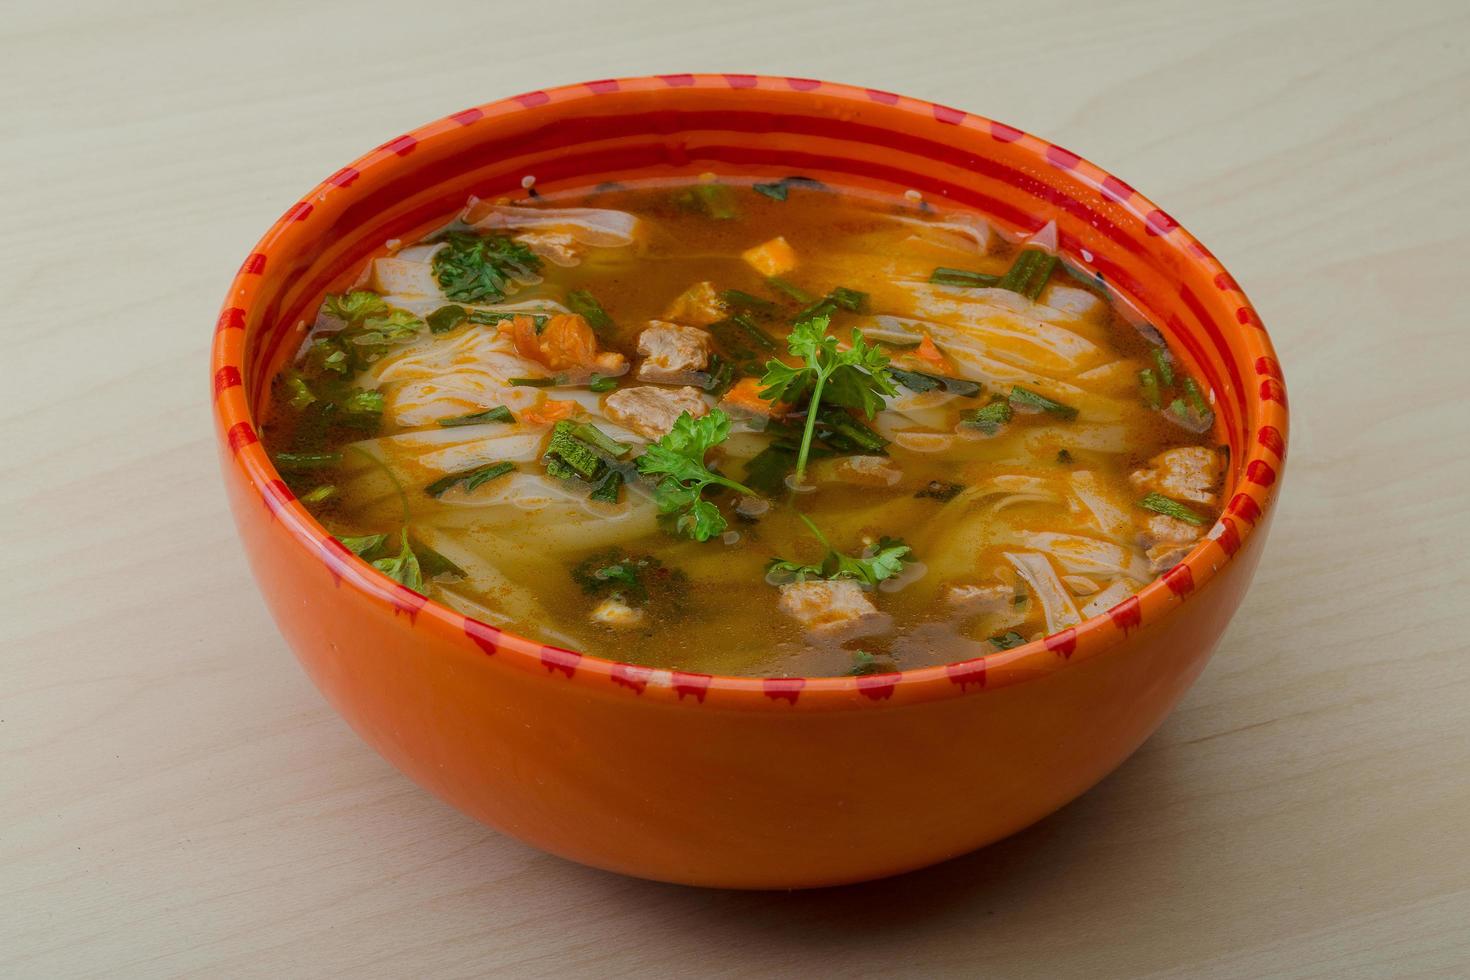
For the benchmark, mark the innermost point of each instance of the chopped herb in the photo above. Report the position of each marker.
(303, 462)
(1064, 457)
(713, 199)
(945, 276)
(837, 428)
(551, 382)
(600, 383)
(470, 478)
(364, 545)
(887, 559)
(583, 303)
(679, 458)
(918, 381)
(322, 493)
(1160, 504)
(1148, 384)
(1025, 399)
(364, 402)
(355, 306)
(990, 418)
(433, 564)
(492, 317)
(941, 491)
(1165, 366)
(854, 378)
(790, 290)
(1029, 272)
(445, 318)
(1196, 398)
(779, 189)
(766, 471)
(636, 579)
(497, 414)
(745, 301)
(718, 376)
(473, 268)
(1008, 640)
(397, 326)
(863, 663)
(403, 567)
(301, 394)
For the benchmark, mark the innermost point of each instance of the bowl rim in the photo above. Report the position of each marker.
(1247, 509)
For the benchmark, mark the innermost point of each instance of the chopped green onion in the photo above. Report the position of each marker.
(1029, 273)
(715, 200)
(607, 490)
(470, 478)
(324, 492)
(1160, 504)
(566, 455)
(551, 382)
(601, 383)
(776, 191)
(497, 414)
(944, 276)
(492, 317)
(1026, 399)
(852, 300)
(303, 462)
(1165, 365)
(863, 663)
(1196, 398)
(745, 301)
(918, 381)
(1008, 640)
(790, 290)
(301, 393)
(1149, 385)
(598, 439)
(718, 376)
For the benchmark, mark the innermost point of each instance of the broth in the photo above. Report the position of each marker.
(484, 418)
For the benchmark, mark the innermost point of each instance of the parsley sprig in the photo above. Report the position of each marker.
(887, 560)
(678, 457)
(854, 378)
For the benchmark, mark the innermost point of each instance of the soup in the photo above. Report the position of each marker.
(767, 428)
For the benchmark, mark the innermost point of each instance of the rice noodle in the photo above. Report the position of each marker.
(1057, 603)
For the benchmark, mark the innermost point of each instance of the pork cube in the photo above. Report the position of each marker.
(826, 606)
(1187, 473)
(671, 352)
(650, 411)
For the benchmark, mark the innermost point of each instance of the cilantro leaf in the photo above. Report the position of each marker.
(403, 567)
(355, 306)
(473, 268)
(883, 561)
(854, 378)
(678, 458)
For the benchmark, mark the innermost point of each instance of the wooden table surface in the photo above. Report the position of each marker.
(175, 797)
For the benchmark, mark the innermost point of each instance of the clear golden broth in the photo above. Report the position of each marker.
(729, 618)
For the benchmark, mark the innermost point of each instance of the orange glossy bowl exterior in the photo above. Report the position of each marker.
(737, 781)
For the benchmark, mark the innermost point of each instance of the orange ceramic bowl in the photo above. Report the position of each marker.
(740, 781)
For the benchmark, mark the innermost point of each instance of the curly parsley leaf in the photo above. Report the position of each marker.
(678, 458)
(473, 268)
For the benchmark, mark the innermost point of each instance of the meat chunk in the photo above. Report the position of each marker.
(973, 600)
(1166, 541)
(700, 305)
(616, 613)
(1187, 473)
(671, 352)
(557, 245)
(651, 411)
(867, 471)
(826, 606)
(773, 258)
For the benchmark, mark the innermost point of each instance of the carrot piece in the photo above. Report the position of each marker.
(551, 410)
(929, 353)
(773, 258)
(745, 395)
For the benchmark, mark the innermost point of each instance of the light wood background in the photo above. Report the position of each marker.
(175, 798)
